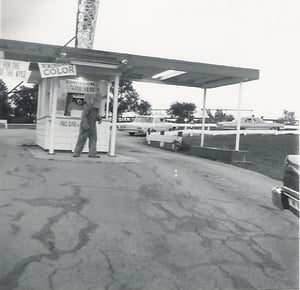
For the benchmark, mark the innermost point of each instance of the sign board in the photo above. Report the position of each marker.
(81, 86)
(49, 70)
(69, 123)
(14, 69)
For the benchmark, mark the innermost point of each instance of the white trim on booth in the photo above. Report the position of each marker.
(54, 88)
(112, 151)
(107, 99)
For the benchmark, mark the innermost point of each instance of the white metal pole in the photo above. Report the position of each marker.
(114, 118)
(54, 84)
(203, 117)
(107, 100)
(238, 127)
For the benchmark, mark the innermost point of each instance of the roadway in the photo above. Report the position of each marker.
(147, 219)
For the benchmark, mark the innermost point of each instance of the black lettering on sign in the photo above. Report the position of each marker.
(64, 123)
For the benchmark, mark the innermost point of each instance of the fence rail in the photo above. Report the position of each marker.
(4, 123)
(19, 126)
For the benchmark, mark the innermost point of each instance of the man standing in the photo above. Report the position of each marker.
(88, 129)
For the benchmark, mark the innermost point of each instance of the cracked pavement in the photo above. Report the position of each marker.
(156, 220)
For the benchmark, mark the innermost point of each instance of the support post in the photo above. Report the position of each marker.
(40, 90)
(107, 100)
(238, 126)
(114, 118)
(203, 118)
(54, 84)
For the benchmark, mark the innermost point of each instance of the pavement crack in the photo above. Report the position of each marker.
(266, 259)
(50, 278)
(264, 255)
(6, 204)
(46, 236)
(238, 282)
(38, 171)
(72, 203)
(10, 280)
(154, 170)
(84, 236)
(110, 268)
(14, 229)
(129, 170)
(19, 215)
(14, 173)
(169, 214)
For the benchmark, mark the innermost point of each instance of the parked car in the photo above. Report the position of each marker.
(287, 196)
(143, 124)
(250, 123)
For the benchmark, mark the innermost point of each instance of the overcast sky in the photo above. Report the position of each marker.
(260, 34)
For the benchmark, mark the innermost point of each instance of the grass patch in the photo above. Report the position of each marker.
(267, 152)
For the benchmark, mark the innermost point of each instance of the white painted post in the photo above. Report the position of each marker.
(39, 102)
(238, 126)
(203, 117)
(114, 118)
(54, 88)
(107, 100)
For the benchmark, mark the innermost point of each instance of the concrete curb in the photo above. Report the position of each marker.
(40, 153)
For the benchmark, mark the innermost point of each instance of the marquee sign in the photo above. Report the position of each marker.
(49, 70)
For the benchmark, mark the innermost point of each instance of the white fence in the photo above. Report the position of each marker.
(4, 122)
(173, 137)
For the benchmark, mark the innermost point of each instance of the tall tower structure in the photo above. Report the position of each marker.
(86, 23)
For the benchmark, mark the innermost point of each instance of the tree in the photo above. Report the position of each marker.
(128, 99)
(5, 108)
(144, 108)
(288, 118)
(229, 117)
(182, 111)
(24, 103)
(219, 116)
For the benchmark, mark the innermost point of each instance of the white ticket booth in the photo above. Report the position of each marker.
(63, 98)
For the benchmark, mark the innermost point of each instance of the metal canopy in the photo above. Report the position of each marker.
(104, 65)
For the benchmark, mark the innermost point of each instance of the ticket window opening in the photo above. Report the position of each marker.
(74, 104)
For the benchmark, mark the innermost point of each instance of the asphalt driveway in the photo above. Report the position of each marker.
(146, 219)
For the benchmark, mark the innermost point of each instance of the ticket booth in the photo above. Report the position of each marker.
(70, 94)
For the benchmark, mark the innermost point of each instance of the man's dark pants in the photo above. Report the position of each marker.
(84, 134)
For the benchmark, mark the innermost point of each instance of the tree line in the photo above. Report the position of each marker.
(20, 106)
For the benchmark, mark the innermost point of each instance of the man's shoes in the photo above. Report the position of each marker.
(94, 156)
(76, 155)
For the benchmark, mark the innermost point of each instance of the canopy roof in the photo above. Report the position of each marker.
(103, 65)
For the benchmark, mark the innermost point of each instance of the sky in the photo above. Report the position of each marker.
(259, 34)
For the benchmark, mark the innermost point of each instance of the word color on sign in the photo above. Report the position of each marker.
(49, 70)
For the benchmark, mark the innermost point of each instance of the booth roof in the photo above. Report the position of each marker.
(104, 65)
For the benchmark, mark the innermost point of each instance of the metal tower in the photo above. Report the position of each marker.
(86, 23)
